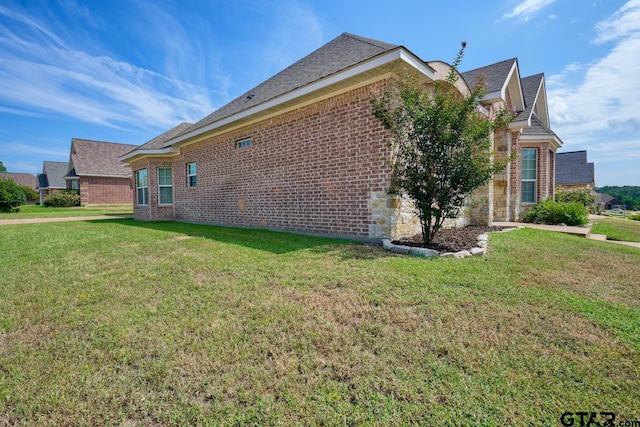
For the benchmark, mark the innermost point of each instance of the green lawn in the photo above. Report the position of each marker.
(119, 322)
(618, 229)
(37, 211)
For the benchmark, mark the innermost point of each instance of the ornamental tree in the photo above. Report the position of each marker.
(441, 144)
(11, 196)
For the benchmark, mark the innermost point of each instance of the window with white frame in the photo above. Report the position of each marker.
(142, 187)
(192, 176)
(529, 174)
(165, 186)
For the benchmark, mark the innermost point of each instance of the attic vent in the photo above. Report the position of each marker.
(244, 143)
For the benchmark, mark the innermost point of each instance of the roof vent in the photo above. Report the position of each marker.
(250, 96)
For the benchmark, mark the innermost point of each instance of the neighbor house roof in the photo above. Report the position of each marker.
(26, 179)
(98, 158)
(603, 198)
(340, 53)
(572, 168)
(52, 175)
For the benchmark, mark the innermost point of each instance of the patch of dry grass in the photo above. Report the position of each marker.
(126, 323)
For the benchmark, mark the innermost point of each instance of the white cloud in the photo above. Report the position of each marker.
(625, 22)
(595, 106)
(527, 8)
(16, 147)
(40, 73)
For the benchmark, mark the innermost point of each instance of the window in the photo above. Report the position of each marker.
(192, 177)
(75, 185)
(244, 143)
(165, 186)
(529, 174)
(142, 187)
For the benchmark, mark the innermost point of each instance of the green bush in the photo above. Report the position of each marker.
(11, 196)
(635, 217)
(62, 199)
(551, 212)
(580, 196)
(31, 194)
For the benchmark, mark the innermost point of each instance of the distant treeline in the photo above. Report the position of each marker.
(629, 195)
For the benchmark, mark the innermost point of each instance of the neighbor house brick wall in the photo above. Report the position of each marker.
(103, 191)
(312, 169)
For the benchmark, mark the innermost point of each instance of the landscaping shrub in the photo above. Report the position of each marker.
(63, 199)
(11, 196)
(31, 194)
(635, 217)
(551, 212)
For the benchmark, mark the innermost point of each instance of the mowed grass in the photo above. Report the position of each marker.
(125, 323)
(37, 211)
(618, 229)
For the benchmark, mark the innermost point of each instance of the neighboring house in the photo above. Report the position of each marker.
(573, 172)
(302, 151)
(25, 179)
(95, 171)
(605, 201)
(51, 180)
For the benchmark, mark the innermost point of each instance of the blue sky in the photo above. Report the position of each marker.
(128, 70)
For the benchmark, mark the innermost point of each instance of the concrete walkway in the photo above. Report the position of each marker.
(576, 231)
(66, 219)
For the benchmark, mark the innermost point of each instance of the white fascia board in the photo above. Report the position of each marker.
(399, 53)
(158, 152)
(503, 91)
(100, 175)
(492, 96)
(520, 124)
(542, 138)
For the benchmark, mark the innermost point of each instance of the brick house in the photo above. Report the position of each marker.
(51, 180)
(573, 172)
(302, 151)
(95, 171)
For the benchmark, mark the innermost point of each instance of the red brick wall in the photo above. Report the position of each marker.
(310, 170)
(153, 211)
(99, 190)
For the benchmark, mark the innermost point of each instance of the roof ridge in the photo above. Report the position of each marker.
(514, 59)
(373, 42)
(101, 142)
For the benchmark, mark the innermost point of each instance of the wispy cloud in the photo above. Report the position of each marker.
(527, 8)
(625, 22)
(16, 147)
(603, 105)
(40, 72)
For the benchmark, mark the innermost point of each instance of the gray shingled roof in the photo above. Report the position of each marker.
(52, 175)
(572, 168)
(99, 158)
(158, 141)
(340, 53)
(20, 178)
(538, 128)
(495, 74)
(530, 86)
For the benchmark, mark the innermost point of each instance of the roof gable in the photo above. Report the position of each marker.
(98, 158)
(572, 168)
(339, 54)
(52, 175)
(499, 77)
(535, 96)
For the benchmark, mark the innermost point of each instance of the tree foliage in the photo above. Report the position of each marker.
(629, 195)
(3, 168)
(441, 144)
(11, 196)
(580, 196)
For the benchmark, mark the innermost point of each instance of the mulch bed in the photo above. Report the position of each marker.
(450, 240)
